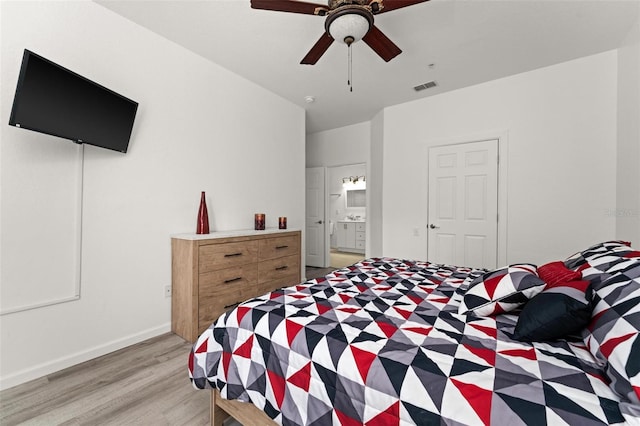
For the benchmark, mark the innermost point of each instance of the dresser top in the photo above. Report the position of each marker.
(229, 234)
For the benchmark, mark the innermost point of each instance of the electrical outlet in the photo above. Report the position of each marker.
(416, 232)
(167, 291)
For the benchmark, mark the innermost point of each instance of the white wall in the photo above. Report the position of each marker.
(338, 147)
(628, 197)
(199, 128)
(374, 194)
(560, 123)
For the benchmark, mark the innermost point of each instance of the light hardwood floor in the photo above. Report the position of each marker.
(143, 384)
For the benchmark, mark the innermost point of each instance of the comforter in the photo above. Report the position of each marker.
(382, 343)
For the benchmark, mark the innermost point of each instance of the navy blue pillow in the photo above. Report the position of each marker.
(558, 312)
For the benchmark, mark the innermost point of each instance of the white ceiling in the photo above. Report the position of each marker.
(468, 41)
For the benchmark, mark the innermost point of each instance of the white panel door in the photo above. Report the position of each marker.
(463, 204)
(315, 220)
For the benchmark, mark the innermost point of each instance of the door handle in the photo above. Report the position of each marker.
(432, 226)
(319, 222)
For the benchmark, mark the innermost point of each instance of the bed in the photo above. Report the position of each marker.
(397, 342)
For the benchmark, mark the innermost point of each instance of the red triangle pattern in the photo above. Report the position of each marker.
(302, 377)
(345, 297)
(362, 288)
(322, 308)
(389, 417)
(226, 359)
(203, 347)
(387, 329)
(278, 386)
(241, 311)
(478, 398)
(244, 350)
(363, 360)
(607, 347)
(405, 314)
(486, 354)
(346, 420)
(276, 294)
(293, 328)
(594, 320)
(492, 284)
(521, 353)
(421, 330)
(415, 299)
(600, 377)
(489, 331)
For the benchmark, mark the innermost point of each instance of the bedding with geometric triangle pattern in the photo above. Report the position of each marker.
(382, 342)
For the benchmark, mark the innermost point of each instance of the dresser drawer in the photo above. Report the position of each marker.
(271, 248)
(360, 236)
(219, 291)
(275, 269)
(219, 256)
(227, 280)
(361, 227)
(285, 281)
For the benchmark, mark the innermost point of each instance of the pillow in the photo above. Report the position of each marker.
(555, 313)
(502, 290)
(580, 258)
(555, 273)
(613, 335)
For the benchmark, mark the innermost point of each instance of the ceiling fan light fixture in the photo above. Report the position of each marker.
(349, 24)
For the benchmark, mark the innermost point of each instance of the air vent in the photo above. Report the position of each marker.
(427, 85)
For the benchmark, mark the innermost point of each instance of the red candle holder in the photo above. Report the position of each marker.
(259, 221)
(282, 222)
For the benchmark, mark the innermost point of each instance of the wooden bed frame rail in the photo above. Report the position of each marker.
(246, 413)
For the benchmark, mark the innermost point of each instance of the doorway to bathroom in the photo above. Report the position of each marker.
(347, 206)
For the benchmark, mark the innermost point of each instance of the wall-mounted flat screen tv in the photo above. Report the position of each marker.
(54, 100)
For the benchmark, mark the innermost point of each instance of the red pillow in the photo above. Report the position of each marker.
(556, 273)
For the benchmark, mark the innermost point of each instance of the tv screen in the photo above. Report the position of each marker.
(53, 100)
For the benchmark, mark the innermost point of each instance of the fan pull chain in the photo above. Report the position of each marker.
(350, 77)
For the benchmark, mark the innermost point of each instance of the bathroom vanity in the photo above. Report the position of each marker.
(351, 235)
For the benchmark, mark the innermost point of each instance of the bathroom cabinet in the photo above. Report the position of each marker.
(351, 236)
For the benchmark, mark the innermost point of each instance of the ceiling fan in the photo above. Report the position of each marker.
(347, 21)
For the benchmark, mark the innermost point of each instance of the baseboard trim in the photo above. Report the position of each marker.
(44, 369)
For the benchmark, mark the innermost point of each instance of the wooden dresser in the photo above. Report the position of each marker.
(213, 273)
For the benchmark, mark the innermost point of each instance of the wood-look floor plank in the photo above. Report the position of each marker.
(146, 383)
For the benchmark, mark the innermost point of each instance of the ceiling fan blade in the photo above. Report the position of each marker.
(390, 5)
(288, 6)
(317, 50)
(381, 44)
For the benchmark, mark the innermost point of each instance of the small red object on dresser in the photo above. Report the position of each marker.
(260, 219)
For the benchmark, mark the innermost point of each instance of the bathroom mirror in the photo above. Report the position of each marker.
(357, 198)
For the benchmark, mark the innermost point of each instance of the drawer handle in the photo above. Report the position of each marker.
(281, 268)
(233, 305)
(232, 280)
(281, 247)
(233, 254)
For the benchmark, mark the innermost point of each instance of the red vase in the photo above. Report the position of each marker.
(203, 217)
